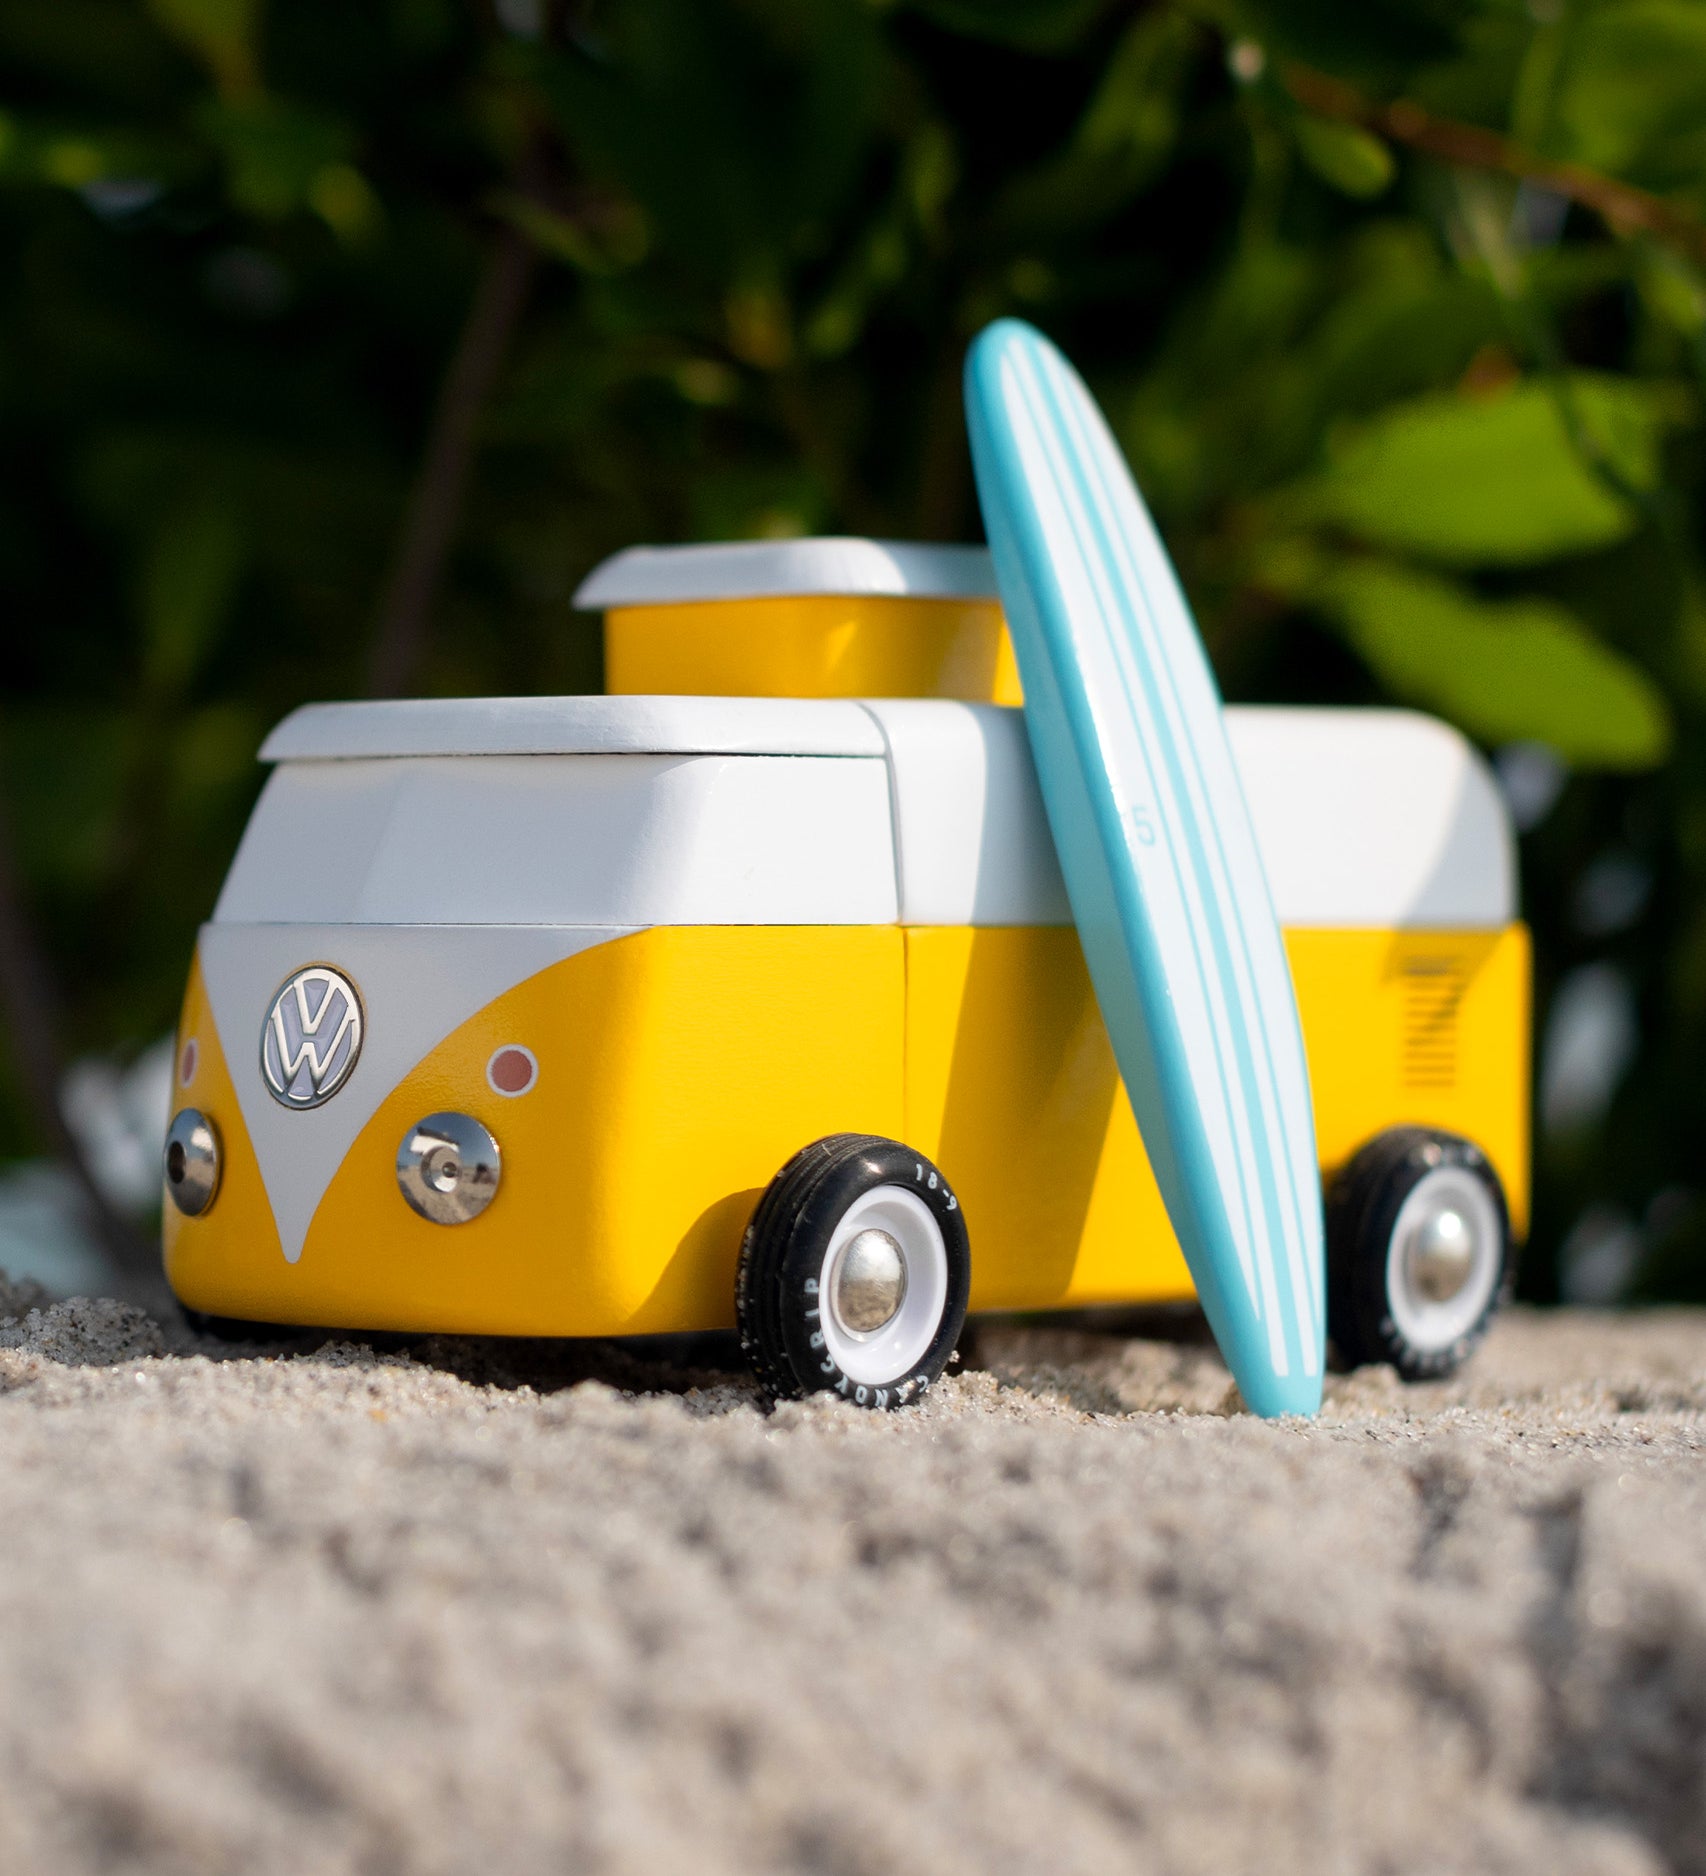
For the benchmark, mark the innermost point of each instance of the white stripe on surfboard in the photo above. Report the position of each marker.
(1209, 909)
(1242, 1181)
(1198, 1005)
(1227, 850)
(1264, 978)
(1198, 1002)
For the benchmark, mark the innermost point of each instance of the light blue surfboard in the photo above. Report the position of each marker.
(1160, 859)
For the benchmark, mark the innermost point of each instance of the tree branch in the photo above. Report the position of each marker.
(435, 504)
(1621, 205)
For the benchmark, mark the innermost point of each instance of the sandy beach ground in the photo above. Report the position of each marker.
(506, 1608)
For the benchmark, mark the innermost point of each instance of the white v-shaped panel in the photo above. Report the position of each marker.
(417, 984)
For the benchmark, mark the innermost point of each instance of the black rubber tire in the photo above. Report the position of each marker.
(1362, 1210)
(784, 1250)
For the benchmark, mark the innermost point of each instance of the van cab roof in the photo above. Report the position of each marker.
(837, 565)
(573, 726)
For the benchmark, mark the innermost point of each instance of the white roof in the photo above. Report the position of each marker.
(1374, 818)
(659, 576)
(1363, 817)
(572, 726)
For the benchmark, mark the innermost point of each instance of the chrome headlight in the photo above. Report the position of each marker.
(193, 1161)
(448, 1168)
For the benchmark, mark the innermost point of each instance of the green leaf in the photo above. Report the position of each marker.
(1397, 323)
(222, 33)
(275, 154)
(1135, 108)
(1505, 671)
(1673, 289)
(188, 579)
(1123, 140)
(602, 242)
(339, 194)
(740, 129)
(879, 260)
(1348, 159)
(1502, 480)
(1631, 92)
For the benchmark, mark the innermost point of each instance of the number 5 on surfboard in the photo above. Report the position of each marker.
(1160, 860)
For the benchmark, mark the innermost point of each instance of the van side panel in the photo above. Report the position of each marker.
(1426, 1028)
(679, 1069)
(1011, 1087)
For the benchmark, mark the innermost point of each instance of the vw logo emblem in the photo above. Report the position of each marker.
(311, 1037)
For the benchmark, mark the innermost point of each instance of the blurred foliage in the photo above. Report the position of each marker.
(1420, 415)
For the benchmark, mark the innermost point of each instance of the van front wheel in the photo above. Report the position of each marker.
(854, 1274)
(1418, 1249)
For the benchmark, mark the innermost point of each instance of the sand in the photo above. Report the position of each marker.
(496, 1608)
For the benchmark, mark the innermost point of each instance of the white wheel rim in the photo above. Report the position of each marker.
(1430, 1325)
(890, 1353)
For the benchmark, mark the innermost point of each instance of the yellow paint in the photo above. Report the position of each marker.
(824, 645)
(1421, 1028)
(228, 1261)
(1011, 1089)
(679, 1069)
(1029, 1121)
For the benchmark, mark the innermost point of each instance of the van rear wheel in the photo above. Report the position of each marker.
(1418, 1250)
(854, 1274)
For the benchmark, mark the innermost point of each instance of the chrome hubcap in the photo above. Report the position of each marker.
(868, 1284)
(1440, 1254)
(1444, 1258)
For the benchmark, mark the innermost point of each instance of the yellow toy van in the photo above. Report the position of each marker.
(691, 1007)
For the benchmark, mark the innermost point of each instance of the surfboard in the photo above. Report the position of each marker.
(1160, 859)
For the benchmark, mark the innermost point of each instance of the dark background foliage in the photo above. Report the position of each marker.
(338, 341)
